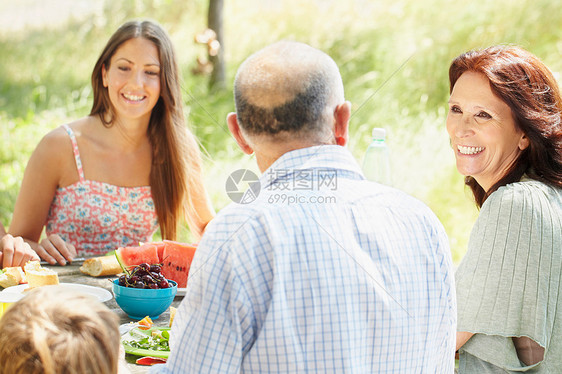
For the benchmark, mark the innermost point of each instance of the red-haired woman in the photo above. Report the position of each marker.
(504, 123)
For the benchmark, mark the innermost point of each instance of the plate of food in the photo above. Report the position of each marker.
(101, 294)
(153, 342)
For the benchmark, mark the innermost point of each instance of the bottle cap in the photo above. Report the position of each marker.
(379, 133)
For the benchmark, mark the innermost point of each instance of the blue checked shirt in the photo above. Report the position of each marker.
(324, 272)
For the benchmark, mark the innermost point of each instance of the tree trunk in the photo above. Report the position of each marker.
(214, 20)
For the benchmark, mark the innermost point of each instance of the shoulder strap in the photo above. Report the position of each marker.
(76, 151)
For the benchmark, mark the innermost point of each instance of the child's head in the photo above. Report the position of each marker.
(55, 330)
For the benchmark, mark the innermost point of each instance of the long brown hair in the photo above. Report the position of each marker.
(524, 83)
(176, 160)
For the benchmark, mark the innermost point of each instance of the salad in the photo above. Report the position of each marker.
(158, 340)
(153, 341)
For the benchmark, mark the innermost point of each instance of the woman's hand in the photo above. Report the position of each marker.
(15, 252)
(54, 249)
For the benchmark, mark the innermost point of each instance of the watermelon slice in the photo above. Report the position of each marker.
(160, 246)
(129, 257)
(176, 260)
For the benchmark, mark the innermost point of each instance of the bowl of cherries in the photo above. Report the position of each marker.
(144, 291)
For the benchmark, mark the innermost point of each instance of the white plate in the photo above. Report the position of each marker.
(97, 292)
(181, 291)
(9, 297)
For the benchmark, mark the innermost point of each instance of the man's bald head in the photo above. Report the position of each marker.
(288, 88)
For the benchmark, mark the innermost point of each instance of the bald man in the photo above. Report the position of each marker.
(317, 270)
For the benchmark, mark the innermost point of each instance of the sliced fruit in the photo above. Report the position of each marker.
(176, 260)
(130, 257)
(160, 247)
(145, 323)
(149, 361)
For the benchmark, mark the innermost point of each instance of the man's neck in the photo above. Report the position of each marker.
(267, 152)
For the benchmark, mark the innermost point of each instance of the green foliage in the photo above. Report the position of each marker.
(393, 56)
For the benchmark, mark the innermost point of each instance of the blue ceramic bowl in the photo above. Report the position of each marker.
(139, 303)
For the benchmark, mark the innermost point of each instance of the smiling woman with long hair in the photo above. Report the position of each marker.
(505, 126)
(112, 178)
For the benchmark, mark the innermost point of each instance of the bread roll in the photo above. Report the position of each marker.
(38, 276)
(12, 276)
(8, 280)
(100, 266)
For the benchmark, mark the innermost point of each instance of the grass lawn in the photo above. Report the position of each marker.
(393, 56)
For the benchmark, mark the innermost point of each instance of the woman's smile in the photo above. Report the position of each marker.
(469, 150)
(133, 98)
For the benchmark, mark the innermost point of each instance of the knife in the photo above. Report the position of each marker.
(75, 261)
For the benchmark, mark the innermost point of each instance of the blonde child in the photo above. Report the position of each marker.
(55, 330)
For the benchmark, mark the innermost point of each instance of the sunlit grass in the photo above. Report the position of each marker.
(393, 56)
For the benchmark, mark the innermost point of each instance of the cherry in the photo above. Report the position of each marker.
(139, 284)
(155, 268)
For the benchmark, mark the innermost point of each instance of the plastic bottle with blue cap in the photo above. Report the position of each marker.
(376, 162)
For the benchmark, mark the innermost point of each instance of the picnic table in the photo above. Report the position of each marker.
(71, 274)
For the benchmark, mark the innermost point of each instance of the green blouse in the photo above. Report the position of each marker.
(509, 282)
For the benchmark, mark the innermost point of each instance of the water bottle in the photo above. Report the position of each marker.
(376, 163)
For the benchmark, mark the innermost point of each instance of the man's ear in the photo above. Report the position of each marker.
(342, 114)
(235, 130)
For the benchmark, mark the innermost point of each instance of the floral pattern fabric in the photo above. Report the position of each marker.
(97, 217)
